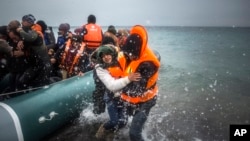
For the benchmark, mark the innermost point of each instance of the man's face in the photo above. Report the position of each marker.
(15, 38)
(131, 56)
(25, 23)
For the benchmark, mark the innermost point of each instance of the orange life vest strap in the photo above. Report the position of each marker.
(140, 99)
(68, 43)
(77, 57)
(92, 44)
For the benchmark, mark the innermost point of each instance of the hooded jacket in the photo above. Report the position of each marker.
(108, 74)
(144, 62)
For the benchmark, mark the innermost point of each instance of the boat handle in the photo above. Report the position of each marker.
(52, 114)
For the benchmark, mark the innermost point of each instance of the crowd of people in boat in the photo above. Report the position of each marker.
(31, 57)
(125, 69)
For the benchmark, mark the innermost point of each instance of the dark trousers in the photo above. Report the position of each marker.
(35, 76)
(117, 115)
(139, 118)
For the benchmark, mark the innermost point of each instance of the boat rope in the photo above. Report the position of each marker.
(25, 90)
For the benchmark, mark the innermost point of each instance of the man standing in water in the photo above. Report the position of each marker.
(140, 96)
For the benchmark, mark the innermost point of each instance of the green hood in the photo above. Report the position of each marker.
(106, 50)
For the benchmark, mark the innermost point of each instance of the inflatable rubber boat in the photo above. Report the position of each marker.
(32, 116)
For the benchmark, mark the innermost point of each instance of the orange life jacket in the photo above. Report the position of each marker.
(67, 46)
(151, 88)
(93, 38)
(117, 71)
(69, 69)
(38, 29)
(146, 54)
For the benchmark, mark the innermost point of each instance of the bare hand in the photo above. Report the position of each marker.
(53, 60)
(80, 73)
(18, 53)
(19, 29)
(134, 76)
(20, 45)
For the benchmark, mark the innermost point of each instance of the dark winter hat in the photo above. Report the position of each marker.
(105, 50)
(133, 45)
(112, 29)
(42, 24)
(91, 19)
(68, 26)
(29, 18)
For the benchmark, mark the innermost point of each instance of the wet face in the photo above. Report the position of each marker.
(25, 23)
(15, 38)
(61, 32)
(131, 56)
(107, 58)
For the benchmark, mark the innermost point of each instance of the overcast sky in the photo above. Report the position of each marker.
(131, 12)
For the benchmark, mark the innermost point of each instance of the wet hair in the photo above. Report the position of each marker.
(108, 40)
(91, 19)
(112, 29)
(43, 25)
(13, 25)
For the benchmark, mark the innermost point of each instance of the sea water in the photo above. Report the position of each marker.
(204, 86)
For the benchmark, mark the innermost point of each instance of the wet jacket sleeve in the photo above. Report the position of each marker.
(110, 82)
(146, 69)
(83, 63)
(29, 36)
(5, 48)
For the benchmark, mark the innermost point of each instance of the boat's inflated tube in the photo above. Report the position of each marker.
(32, 116)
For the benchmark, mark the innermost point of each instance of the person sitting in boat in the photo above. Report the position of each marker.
(5, 54)
(31, 42)
(111, 31)
(92, 34)
(48, 34)
(63, 30)
(3, 60)
(122, 35)
(16, 61)
(108, 76)
(74, 60)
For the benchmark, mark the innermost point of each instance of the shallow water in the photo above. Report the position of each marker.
(203, 87)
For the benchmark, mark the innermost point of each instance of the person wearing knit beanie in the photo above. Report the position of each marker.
(29, 18)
